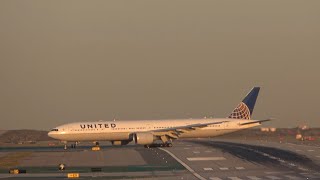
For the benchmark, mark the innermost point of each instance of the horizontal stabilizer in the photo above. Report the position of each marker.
(255, 121)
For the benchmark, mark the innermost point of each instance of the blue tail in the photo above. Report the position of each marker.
(245, 109)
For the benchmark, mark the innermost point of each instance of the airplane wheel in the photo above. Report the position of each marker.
(169, 145)
(146, 146)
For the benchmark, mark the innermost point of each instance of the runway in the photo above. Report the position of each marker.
(214, 159)
(225, 159)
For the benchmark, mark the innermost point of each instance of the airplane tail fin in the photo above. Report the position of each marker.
(245, 109)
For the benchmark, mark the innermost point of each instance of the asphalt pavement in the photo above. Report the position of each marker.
(188, 159)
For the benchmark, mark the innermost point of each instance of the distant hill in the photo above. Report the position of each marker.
(15, 136)
(2, 131)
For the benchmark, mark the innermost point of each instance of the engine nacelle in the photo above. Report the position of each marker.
(119, 143)
(144, 138)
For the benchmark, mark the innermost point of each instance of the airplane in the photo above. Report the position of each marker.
(147, 132)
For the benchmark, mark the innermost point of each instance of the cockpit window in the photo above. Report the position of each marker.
(54, 130)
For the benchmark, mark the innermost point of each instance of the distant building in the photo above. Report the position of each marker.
(273, 129)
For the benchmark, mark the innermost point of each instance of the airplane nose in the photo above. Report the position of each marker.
(50, 134)
(54, 134)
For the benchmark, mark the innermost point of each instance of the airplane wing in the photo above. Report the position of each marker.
(255, 121)
(175, 132)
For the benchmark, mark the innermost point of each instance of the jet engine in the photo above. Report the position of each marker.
(119, 143)
(144, 138)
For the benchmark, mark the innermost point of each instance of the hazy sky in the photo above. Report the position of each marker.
(67, 61)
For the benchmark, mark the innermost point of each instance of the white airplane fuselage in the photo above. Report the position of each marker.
(123, 130)
(145, 132)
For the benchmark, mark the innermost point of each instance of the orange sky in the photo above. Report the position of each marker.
(66, 61)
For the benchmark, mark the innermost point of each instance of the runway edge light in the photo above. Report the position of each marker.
(96, 148)
(73, 175)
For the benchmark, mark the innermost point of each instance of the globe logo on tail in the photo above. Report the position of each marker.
(240, 112)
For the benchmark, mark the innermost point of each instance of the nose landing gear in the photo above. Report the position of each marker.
(72, 146)
(96, 147)
(97, 143)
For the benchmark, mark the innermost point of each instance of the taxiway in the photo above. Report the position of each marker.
(214, 159)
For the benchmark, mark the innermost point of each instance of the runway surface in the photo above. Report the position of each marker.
(188, 159)
(225, 159)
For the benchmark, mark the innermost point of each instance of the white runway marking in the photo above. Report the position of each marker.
(253, 177)
(318, 156)
(234, 178)
(272, 157)
(5, 176)
(224, 168)
(302, 169)
(184, 164)
(208, 151)
(207, 169)
(278, 172)
(214, 178)
(273, 177)
(206, 158)
(292, 177)
(309, 175)
(291, 144)
(310, 150)
(239, 168)
(196, 152)
(291, 164)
